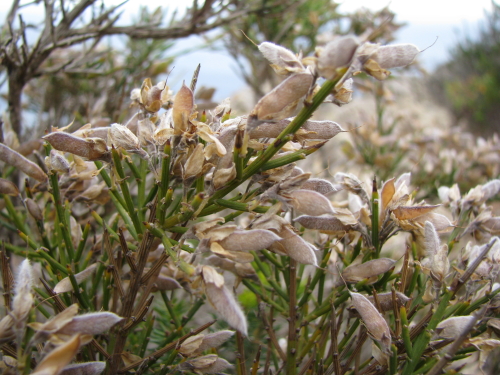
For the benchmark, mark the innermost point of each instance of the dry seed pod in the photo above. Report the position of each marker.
(164, 283)
(91, 149)
(336, 54)
(249, 240)
(65, 284)
(294, 246)
(91, 324)
(324, 223)
(8, 187)
(283, 61)
(223, 300)
(57, 359)
(385, 302)
(86, 368)
(190, 345)
(182, 108)
(310, 202)
(396, 55)
(453, 327)
(319, 185)
(282, 100)
(11, 157)
(57, 163)
(208, 364)
(121, 137)
(34, 209)
(310, 130)
(23, 299)
(223, 175)
(368, 270)
(374, 322)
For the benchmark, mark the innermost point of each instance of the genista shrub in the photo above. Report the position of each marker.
(188, 242)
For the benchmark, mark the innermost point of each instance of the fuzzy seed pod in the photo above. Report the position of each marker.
(249, 240)
(336, 54)
(310, 202)
(91, 149)
(23, 299)
(182, 108)
(385, 302)
(34, 209)
(8, 187)
(396, 55)
(86, 368)
(283, 61)
(196, 345)
(282, 100)
(208, 364)
(91, 324)
(235, 256)
(453, 327)
(294, 246)
(368, 270)
(412, 212)
(310, 130)
(65, 284)
(374, 322)
(319, 185)
(325, 223)
(223, 300)
(43, 330)
(164, 283)
(121, 137)
(57, 162)
(11, 157)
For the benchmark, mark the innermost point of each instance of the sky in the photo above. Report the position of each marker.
(426, 19)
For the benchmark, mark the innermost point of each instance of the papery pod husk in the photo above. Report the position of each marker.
(385, 302)
(13, 158)
(90, 132)
(320, 185)
(224, 302)
(57, 162)
(23, 298)
(43, 330)
(92, 149)
(65, 284)
(55, 361)
(34, 209)
(91, 323)
(208, 364)
(372, 68)
(283, 61)
(282, 100)
(85, 368)
(412, 212)
(494, 324)
(325, 224)
(374, 322)
(310, 202)
(182, 108)
(453, 327)
(239, 269)
(8, 187)
(336, 54)
(313, 129)
(222, 176)
(249, 240)
(236, 256)
(395, 55)
(294, 246)
(367, 270)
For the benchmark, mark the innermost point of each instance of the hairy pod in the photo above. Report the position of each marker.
(182, 108)
(91, 149)
(336, 54)
(11, 157)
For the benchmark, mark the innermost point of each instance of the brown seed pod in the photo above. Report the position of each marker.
(57, 162)
(282, 100)
(319, 185)
(182, 108)
(249, 240)
(453, 327)
(34, 209)
(294, 246)
(324, 223)
(311, 129)
(368, 270)
(283, 61)
(91, 149)
(310, 202)
(11, 157)
(336, 54)
(374, 322)
(396, 55)
(385, 302)
(8, 187)
(91, 324)
(85, 368)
